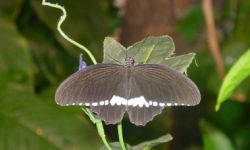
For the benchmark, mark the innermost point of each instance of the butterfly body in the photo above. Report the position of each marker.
(142, 91)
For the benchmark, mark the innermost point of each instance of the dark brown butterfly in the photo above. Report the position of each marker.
(142, 91)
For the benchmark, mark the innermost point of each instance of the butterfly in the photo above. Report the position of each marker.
(142, 90)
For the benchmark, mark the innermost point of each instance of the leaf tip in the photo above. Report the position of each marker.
(217, 107)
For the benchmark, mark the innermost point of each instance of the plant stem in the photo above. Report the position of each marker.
(120, 135)
(212, 36)
(61, 20)
(101, 133)
(146, 148)
(99, 127)
(98, 122)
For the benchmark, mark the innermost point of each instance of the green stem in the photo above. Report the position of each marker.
(61, 20)
(99, 127)
(120, 135)
(98, 122)
(101, 132)
(146, 148)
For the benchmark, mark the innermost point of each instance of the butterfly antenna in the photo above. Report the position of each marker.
(82, 63)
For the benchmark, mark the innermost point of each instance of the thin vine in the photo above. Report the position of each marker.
(97, 122)
(61, 20)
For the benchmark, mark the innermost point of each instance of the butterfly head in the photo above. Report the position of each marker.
(129, 61)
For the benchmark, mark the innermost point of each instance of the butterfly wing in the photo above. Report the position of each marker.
(156, 86)
(95, 86)
(142, 90)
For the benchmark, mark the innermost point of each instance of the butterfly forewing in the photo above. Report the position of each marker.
(88, 86)
(163, 84)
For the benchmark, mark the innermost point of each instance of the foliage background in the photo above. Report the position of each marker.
(34, 59)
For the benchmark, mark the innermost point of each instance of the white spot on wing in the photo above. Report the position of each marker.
(162, 104)
(102, 103)
(135, 102)
(117, 100)
(106, 102)
(138, 101)
(94, 104)
(169, 104)
(155, 103)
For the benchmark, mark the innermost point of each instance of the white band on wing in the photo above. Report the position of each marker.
(134, 102)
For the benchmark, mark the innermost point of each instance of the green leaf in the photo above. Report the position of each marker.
(29, 123)
(20, 137)
(117, 146)
(180, 63)
(153, 49)
(213, 139)
(149, 144)
(15, 60)
(142, 146)
(156, 50)
(26, 121)
(239, 71)
(114, 52)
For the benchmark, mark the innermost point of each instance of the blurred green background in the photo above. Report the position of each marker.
(34, 59)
